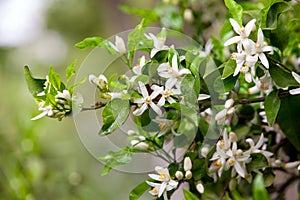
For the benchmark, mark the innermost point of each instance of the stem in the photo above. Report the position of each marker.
(278, 63)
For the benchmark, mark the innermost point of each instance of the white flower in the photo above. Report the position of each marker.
(187, 164)
(260, 48)
(167, 94)
(207, 49)
(297, 90)
(171, 73)
(166, 125)
(117, 95)
(244, 61)
(146, 100)
(166, 184)
(188, 15)
(46, 111)
(63, 97)
(255, 148)
(229, 109)
(119, 45)
(158, 43)
(203, 97)
(243, 33)
(137, 69)
(264, 84)
(100, 81)
(188, 175)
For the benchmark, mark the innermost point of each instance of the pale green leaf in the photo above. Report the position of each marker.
(272, 105)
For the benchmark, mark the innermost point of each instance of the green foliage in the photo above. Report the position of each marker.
(272, 105)
(189, 196)
(113, 115)
(258, 161)
(235, 10)
(34, 85)
(259, 191)
(138, 191)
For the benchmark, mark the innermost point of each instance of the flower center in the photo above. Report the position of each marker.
(155, 190)
(257, 45)
(222, 144)
(242, 30)
(162, 176)
(218, 164)
(148, 100)
(231, 162)
(170, 71)
(247, 176)
(162, 126)
(169, 92)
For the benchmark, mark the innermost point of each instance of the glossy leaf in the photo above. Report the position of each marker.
(34, 85)
(259, 190)
(113, 115)
(138, 191)
(189, 195)
(235, 9)
(258, 161)
(89, 42)
(272, 105)
(54, 79)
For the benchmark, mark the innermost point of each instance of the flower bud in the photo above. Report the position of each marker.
(229, 103)
(187, 165)
(204, 151)
(131, 132)
(200, 187)
(188, 15)
(188, 174)
(179, 175)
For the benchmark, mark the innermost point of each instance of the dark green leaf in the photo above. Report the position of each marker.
(259, 190)
(113, 115)
(258, 161)
(229, 68)
(189, 196)
(281, 77)
(138, 191)
(274, 12)
(34, 85)
(272, 105)
(289, 119)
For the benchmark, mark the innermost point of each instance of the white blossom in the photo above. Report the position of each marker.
(46, 111)
(260, 48)
(167, 94)
(207, 49)
(187, 164)
(137, 69)
(243, 33)
(179, 175)
(158, 43)
(255, 148)
(172, 74)
(119, 45)
(166, 184)
(200, 187)
(146, 100)
(166, 125)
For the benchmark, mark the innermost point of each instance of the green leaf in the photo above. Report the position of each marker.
(189, 196)
(138, 191)
(34, 85)
(235, 10)
(272, 105)
(229, 68)
(281, 77)
(258, 161)
(115, 158)
(259, 190)
(89, 42)
(54, 79)
(70, 71)
(134, 39)
(190, 88)
(113, 115)
(288, 119)
(274, 12)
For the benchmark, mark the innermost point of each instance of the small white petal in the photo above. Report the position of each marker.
(143, 89)
(43, 114)
(184, 71)
(295, 91)
(140, 110)
(235, 39)
(249, 27)
(221, 114)
(236, 27)
(296, 77)
(156, 109)
(229, 103)
(175, 63)
(264, 60)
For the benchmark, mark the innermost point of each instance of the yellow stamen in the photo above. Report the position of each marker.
(162, 176)
(242, 30)
(155, 190)
(257, 45)
(169, 92)
(148, 100)
(162, 126)
(170, 72)
(222, 144)
(231, 162)
(218, 164)
(247, 176)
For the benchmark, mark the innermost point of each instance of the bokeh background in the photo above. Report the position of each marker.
(45, 159)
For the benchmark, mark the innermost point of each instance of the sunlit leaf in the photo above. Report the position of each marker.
(34, 85)
(138, 191)
(259, 190)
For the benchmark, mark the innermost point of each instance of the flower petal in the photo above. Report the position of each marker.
(175, 63)
(156, 108)
(236, 27)
(140, 110)
(249, 27)
(296, 77)
(143, 89)
(235, 39)
(264, 60)
(295, 91)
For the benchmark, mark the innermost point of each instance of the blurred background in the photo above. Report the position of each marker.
(45, 159)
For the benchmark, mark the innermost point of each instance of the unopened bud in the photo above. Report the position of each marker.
(188, 174)
(200, 187)
(204, 151)
(179, 175)
(188, 15)
(187, 165)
